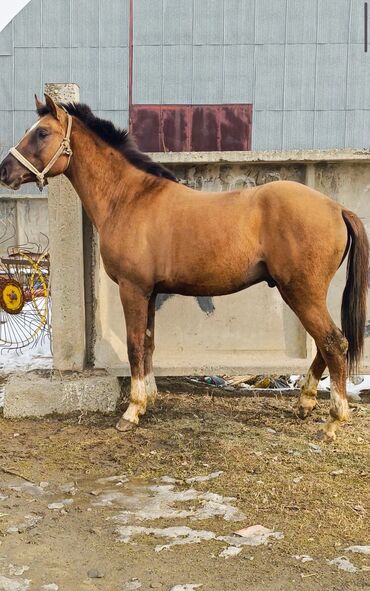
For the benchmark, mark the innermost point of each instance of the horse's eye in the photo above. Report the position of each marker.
(42, 133)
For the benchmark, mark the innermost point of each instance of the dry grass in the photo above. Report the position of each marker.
(278, 479)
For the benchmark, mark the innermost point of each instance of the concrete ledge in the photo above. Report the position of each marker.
(37, 394)
(271, 156)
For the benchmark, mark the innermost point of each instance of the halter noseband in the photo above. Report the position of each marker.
(64, 148)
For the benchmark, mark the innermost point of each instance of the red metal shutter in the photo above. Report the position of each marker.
(179, 128)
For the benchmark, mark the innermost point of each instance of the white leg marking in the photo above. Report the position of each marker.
(338, 405)
(138, 401)
(339, 413)
(151, 387)
(310, 383)
(307, 396)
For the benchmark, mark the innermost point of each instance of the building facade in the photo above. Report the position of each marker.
(297, 69)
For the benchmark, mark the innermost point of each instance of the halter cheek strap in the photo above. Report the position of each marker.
(64, 148)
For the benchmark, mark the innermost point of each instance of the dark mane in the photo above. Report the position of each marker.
(119, 139)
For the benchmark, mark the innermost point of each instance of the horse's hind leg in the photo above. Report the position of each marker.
(308, 394)
(314, 315)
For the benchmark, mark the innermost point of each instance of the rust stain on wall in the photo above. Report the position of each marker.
(186, 128)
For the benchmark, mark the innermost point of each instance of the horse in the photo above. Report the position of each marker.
(158, 236)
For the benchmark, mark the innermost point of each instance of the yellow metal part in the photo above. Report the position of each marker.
(38, 276)
(12, 299)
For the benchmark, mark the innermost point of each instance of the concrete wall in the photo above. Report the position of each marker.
(252, 330)
(23, 220)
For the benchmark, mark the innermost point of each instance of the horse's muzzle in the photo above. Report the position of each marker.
(13, 174)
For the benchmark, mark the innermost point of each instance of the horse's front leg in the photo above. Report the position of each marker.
(135, 306)
(150, 385)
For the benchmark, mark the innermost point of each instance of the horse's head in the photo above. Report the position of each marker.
(44, 150)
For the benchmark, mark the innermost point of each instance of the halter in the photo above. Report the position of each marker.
(64, 148)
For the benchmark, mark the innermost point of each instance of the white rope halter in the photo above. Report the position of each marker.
(64, 148)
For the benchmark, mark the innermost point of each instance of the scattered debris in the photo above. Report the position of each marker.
(132, 585)
(215, 380)
(61, 504)
(119, 480)
(68, 488)
(359, 509)
(30, 521)
(303, 558)
(355, 385)
(17, 569)
(254, 535)
(204, 478)
(336, 472)
(50, 587)
(314, 448)
(343, 563)
(95, 574)
(297, 479)
(186, 587)
(359, 549)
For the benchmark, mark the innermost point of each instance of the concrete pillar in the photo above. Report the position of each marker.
(67, 261)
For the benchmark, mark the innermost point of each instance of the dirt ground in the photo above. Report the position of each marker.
(280, 477)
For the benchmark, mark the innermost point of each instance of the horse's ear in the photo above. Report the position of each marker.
(38, 103)
(54, 110)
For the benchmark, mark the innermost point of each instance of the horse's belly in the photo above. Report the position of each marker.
(214, 283)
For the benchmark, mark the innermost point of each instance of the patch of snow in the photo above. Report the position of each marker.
(178, 535)
(343, 563)
(230, 551)
(13, 585)
(161, 502)
(35, 356)
(354, 386)
(359, 549)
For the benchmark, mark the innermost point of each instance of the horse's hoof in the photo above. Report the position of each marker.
(303, 412)
(124, 425)
(322, 435)
(306, 406)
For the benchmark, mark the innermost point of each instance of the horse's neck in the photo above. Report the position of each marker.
(98, 174)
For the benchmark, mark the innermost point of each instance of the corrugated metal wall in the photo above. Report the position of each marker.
(301, 63)
(84, 41)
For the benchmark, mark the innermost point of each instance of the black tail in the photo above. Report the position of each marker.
(354, 299)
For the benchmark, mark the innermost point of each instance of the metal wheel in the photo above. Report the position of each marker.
(24, 298)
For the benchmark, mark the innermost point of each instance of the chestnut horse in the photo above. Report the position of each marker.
(158, 236)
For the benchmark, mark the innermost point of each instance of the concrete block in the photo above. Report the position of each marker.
(36, 394)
